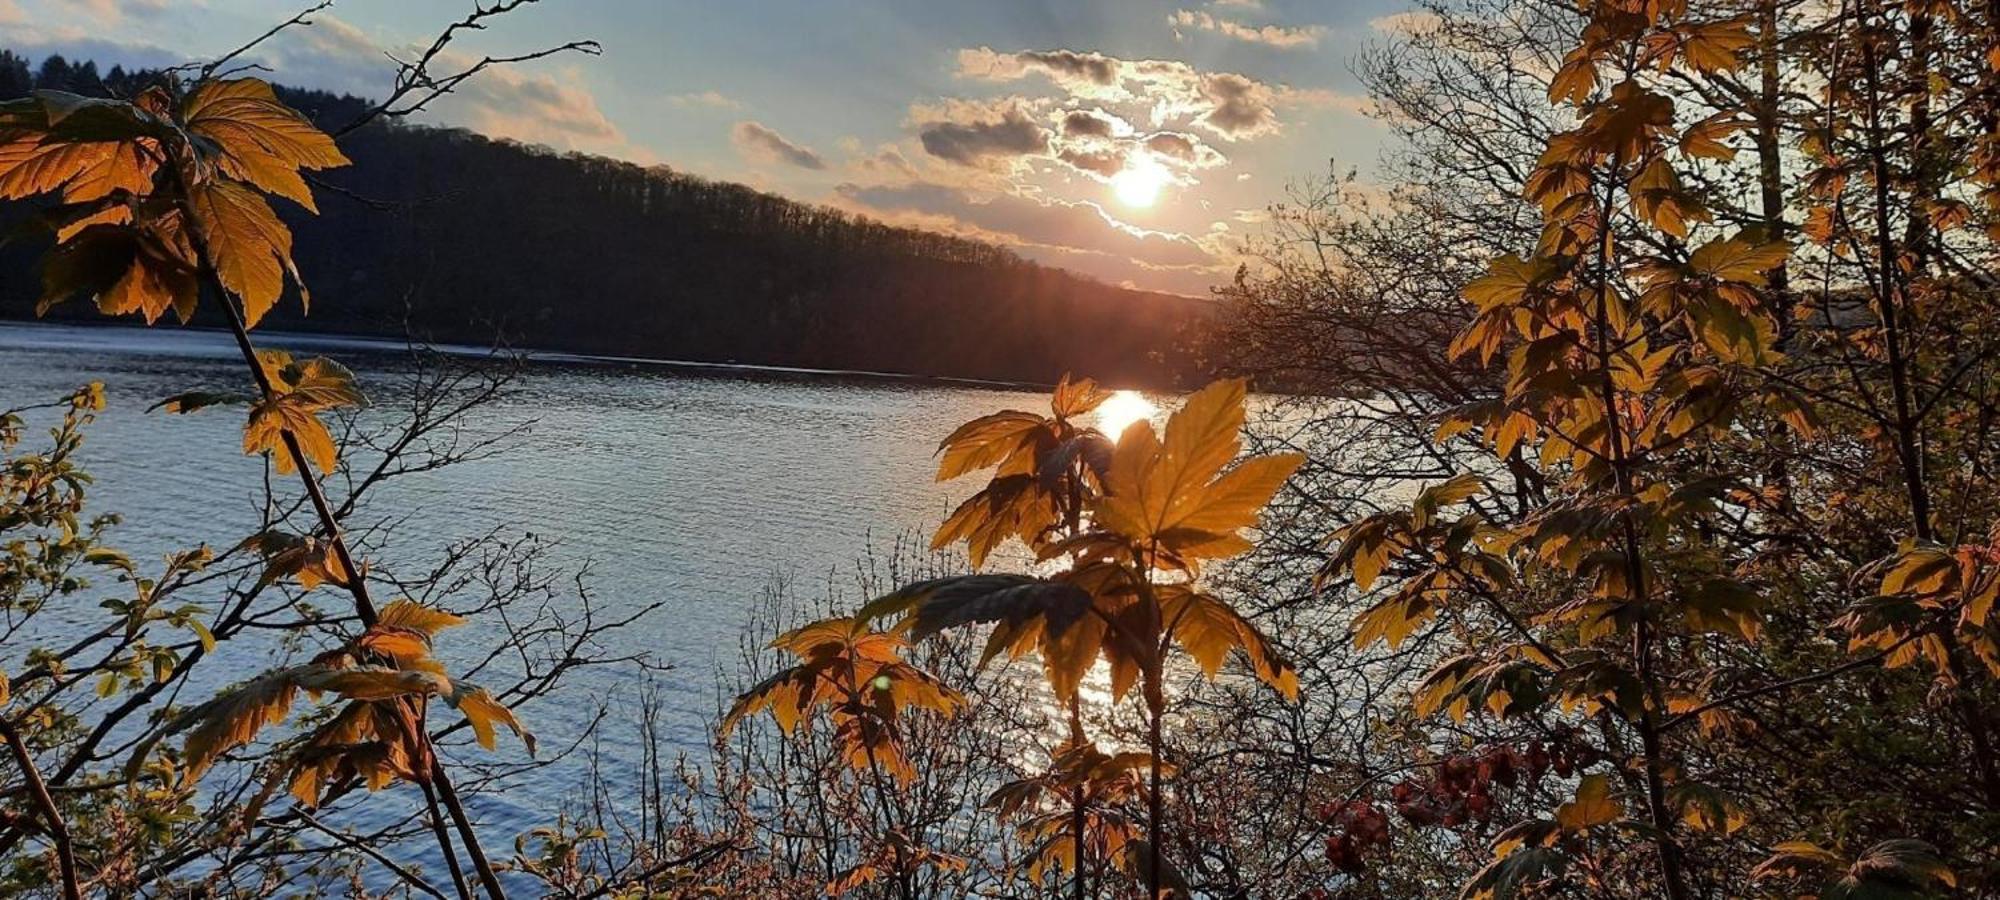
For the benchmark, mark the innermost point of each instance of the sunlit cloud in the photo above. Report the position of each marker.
(886, 163)
(1093, 123)
(980, 134)
(533, 107)
(704, 99)
(1082, 74)
(1180, 148)
(1229, 105)
(1078, 234)
(544, 105)
(112, 12)
(1268, 35)
(758, 142)
(1407, 23)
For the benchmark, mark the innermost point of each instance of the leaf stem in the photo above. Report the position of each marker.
(355, 583)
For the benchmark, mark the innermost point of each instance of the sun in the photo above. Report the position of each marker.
(1139, 183)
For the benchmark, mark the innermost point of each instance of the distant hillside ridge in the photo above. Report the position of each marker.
(458, 237)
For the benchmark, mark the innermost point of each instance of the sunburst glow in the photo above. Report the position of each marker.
(1121, 410)
(1140, 182)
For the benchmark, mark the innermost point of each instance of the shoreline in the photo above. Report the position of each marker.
(379, 344)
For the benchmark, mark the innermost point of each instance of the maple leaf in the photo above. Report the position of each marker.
(257, 138)
(250, 248)
(1164, 494)
(1593, 805)
(859, 677)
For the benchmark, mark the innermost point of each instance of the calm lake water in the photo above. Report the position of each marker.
(691, 489)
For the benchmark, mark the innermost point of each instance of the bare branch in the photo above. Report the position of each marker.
(417, 85)
(209, 69)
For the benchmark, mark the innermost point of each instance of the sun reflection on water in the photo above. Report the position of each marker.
(1122, 409)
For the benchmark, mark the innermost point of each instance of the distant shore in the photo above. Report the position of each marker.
(376, 343)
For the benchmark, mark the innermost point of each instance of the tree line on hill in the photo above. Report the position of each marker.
(595, 255)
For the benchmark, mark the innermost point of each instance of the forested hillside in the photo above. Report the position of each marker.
(469, 239)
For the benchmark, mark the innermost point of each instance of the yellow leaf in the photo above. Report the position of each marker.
(1576, 79)
(1712, 46)
(1920, 571)
(234, 718)
(1394, 619)
(1738, 259)
(1508, 279)
(1158, 490)
(1455, 489)
(985, 442)
(1704, 139)
(272, 419)
(150, 287)
(261, 140)
(405, 613)
(400, 644)
(482, 711)
(1231, 502)
(1208, 629)
(373, 682)
(1202, 436)
(1075, 398)
(250, 248)
(29, 167)
(125, 165)
(1593, 805)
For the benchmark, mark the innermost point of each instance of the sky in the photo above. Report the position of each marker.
(1137, 142)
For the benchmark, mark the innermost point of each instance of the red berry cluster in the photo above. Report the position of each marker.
(1460, 788)
(1358, 827)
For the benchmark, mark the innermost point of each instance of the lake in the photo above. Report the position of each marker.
(688, 488)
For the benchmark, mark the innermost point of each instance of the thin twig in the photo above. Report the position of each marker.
(411, 878)
(38, 790)
(209, 69)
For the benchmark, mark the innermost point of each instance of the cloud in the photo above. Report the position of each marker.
(999, 136)
(1231, 106)
(1077, 226)
(1093, 123)
(111, 12)
(1406, 23)
(331, 55)
(534, 105)
(887, 162)
(1102, 157)
(1101, 162)
(1075, 236)
(757, 141)
(1239, 107)
(973, 134)
(709, 99)
(1268, 35)
(1183, 149)
(1080, 73)
(11, 14)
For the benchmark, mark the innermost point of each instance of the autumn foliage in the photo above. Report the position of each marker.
(158, 200)
(1633, 531)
